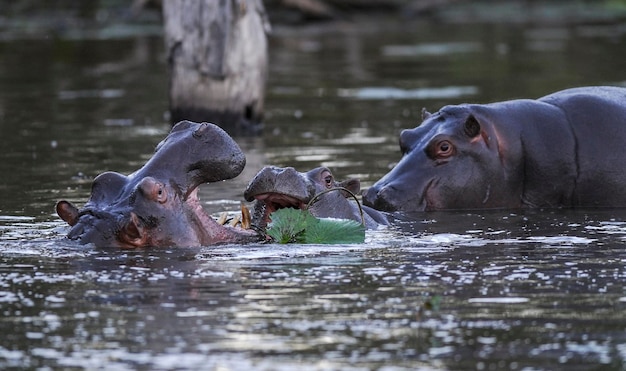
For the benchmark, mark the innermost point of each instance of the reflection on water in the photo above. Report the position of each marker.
(430, 49)
(538, 290)
(447, 92)
(462, 290)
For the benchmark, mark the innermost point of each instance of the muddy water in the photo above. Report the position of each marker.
(470, 290)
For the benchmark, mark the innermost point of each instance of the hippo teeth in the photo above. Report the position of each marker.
(215, 232)
(243, 221)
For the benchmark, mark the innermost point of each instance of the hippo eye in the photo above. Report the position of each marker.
(161, 196)
(444, 149)
(329, 181)
(326, 178)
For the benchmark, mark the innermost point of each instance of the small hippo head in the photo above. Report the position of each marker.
(275, 188)
(455, 159)
(158, 204)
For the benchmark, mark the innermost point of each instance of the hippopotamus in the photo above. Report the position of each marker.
(566, 149)
(274, 188)
(158, 205)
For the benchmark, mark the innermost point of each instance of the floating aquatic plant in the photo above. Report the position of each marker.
(300, 226)
(335, 231)
(288, 225)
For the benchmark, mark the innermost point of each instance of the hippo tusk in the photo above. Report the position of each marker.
(246, 220)
(223, 218)
(235, 221)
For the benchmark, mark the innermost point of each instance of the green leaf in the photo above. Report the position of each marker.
(288, 225)
(299, 226)
(330, 231)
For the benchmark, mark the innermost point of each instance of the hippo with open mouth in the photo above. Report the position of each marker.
(275, 188)
(567, 149)
(158, 205)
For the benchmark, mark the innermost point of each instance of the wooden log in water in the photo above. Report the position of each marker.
(217, 55)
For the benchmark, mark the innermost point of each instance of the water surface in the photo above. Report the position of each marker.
(487, 290)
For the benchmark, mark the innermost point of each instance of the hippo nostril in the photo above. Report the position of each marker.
(76, 233)
(368, 195)
(199, 132)
(288, 171)
(371, 196)
(380, 198)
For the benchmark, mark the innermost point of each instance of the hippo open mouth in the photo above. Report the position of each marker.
(158, 204)
(212, 231)
(276, 188)
(269, 202)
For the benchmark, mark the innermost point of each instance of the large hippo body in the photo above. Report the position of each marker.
(275, 188)
(567, 149)
(158, 205)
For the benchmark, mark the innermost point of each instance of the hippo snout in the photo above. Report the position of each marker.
(95, 227)
(278, 180)
(380, 198)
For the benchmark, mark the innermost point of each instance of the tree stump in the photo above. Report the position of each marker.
(217, 55)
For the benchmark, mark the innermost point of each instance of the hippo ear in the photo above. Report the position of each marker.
(471, 127)
(353, 185)
(178, 127)
(67, 212)
(425, 114)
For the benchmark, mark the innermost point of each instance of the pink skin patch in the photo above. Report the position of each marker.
(211, 232)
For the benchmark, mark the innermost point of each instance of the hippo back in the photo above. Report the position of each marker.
(597, 118)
